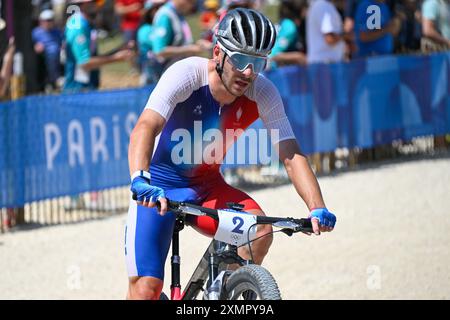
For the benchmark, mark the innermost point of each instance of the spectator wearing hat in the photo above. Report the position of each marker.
(151, 68)
(47, 41)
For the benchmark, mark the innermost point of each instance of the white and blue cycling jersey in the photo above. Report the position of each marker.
(184, 99)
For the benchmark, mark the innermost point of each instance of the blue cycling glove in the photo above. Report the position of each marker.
(325, 217)
(144, 191)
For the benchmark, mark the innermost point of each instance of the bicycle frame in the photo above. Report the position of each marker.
(216, 254)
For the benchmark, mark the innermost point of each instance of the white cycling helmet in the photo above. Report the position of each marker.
(247, 31)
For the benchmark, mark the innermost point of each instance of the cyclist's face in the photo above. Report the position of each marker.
(235, 81)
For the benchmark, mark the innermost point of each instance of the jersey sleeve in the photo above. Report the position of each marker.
(271, 111)
(176, 85)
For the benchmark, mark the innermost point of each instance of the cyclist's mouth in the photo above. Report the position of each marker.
(242, 84)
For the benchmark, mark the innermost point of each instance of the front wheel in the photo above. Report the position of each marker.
(251, 282)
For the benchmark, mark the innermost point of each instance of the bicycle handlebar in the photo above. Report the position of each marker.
(304, 224)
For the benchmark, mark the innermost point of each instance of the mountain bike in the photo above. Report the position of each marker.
(212, 279)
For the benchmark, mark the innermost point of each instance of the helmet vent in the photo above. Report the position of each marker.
(235, 30)
(268, 37)
(246, 28)
(247, 31)
(259, 27)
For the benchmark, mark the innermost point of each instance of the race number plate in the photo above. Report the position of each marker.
(235, 228)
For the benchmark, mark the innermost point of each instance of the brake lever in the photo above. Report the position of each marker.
(288, 232)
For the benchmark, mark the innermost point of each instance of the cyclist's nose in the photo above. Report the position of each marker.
(248, 72)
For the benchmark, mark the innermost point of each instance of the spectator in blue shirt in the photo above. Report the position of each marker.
(375, 28)
(47, 44)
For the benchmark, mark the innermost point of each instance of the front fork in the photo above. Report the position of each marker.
(222, 254)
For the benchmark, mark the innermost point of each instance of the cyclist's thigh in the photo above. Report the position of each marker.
(221, 193)
(148, 235)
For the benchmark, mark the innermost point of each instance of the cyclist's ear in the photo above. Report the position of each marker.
(216, 53)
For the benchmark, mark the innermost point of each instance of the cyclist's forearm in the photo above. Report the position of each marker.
(142, 141)
(301, 174)
(140, 149)
(305, 181)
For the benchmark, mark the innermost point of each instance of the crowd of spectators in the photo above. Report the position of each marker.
(341, 30)
(156, 33)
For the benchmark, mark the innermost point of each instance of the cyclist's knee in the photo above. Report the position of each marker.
(266, 232)
(144, 288)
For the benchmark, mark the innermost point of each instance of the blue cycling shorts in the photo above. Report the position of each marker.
(148, 235)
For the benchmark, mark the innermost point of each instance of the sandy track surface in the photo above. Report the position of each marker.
(391, 241)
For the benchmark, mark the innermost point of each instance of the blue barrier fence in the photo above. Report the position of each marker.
(52, 146)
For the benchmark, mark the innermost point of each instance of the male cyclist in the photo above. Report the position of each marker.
(226, 92)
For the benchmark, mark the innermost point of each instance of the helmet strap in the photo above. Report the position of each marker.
(219, 68)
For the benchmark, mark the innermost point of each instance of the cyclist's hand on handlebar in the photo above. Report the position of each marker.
(147, 195)
(322, 220)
